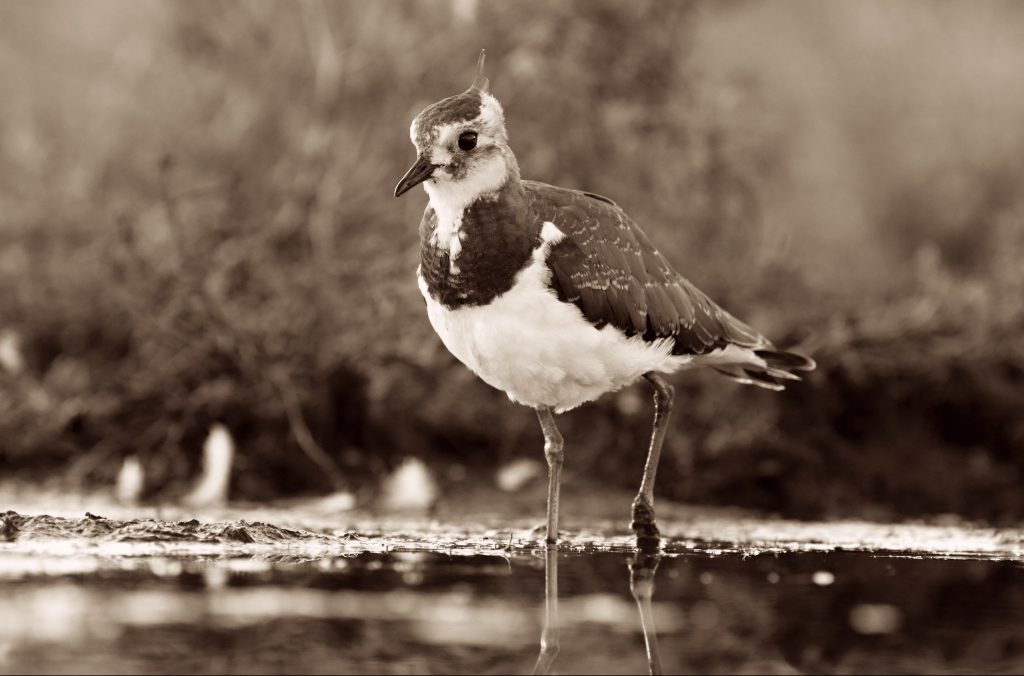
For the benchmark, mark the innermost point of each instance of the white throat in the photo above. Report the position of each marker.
(449, 200)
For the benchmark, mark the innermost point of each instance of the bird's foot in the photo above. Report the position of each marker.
(647, 535)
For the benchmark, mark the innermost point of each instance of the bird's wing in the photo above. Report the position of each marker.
(608, 268)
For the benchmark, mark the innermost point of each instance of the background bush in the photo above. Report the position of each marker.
(196, 225)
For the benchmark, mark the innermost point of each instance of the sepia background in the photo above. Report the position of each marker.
(197, 227)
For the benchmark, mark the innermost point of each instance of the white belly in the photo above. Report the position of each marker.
(541, 351)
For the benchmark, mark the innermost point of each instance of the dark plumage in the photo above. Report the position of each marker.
(491, 256)
(608, 268)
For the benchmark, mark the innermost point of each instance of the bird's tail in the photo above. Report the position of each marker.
(768, 368)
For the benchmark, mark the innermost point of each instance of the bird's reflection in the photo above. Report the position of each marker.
(641, 584)
(549, 635)
(642, 568)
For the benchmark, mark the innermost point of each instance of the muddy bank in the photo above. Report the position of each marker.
(305, 531)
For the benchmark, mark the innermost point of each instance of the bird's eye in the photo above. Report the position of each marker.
(467, 140)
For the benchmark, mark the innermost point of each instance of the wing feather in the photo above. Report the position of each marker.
(609, 268)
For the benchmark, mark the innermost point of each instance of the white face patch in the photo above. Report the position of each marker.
(447, 136)
(440, 152)
(491, 114)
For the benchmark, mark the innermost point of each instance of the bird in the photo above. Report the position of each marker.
(555, 295)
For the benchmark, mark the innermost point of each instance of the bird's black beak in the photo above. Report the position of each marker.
(418, 173)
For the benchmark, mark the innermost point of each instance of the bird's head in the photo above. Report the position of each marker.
(462, 148)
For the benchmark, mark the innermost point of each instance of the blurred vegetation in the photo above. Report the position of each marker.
(197, 226)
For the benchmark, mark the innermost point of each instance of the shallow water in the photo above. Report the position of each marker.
(161, 596)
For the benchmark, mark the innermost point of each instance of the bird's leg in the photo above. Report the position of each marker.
(643, 506)
(549, 635)
(553, 452)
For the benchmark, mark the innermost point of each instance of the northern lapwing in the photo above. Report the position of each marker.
(556, 296)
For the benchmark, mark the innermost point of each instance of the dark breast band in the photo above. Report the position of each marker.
(497, 239)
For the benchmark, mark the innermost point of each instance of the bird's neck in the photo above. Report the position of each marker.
(496, 181)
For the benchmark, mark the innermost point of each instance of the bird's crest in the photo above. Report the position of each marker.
(480, 82)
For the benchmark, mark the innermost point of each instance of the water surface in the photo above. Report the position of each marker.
(153, 596)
